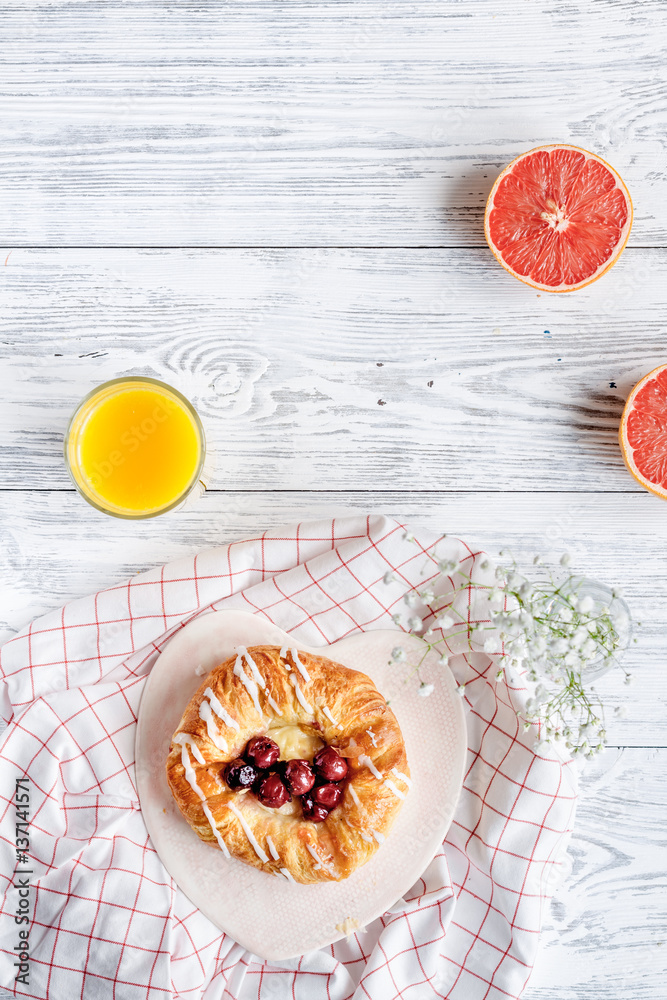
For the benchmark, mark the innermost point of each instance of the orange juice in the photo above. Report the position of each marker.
(135, 447)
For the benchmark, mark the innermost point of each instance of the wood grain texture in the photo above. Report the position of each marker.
(425, 383)
(334, 123)
(56, 548)
(605, 933)
(337, 369)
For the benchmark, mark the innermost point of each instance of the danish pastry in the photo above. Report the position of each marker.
(289, 762)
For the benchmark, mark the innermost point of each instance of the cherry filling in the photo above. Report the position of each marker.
(262, 752)
(298, 776)
(240, 774)
(329, 764)
(312, 811)
(271, 791)
(274, 781)
(328, 796)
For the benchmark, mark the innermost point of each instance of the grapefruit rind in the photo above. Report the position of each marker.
(605, 266)
(626, 448)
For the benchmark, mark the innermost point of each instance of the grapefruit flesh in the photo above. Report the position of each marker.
(558, 217)
(643, 432)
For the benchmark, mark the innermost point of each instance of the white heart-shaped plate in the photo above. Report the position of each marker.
(272, 918)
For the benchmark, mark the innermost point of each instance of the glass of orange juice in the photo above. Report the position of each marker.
(135, 447)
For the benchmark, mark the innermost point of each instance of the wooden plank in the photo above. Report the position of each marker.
(605, 934)
(57, 548)
(333, 123)
(338, 369)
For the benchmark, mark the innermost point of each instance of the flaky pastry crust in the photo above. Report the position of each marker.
(259, 692)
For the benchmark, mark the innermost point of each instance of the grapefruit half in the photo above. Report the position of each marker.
(558, 217)
(643, 432)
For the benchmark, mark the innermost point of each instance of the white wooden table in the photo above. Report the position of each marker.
(278, 208)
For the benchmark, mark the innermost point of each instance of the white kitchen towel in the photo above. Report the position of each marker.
(106, 920)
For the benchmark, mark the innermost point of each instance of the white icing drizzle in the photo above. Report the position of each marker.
(263, 857)
(392, 788)
(288, 875)
(367, 762)
(206, 715)
(373, 737)
(218, 835)
(355, 797)
(184, 739)
(380, 837)
(331, 718)
(248, 683)
(221, 712)
(403, 777)
(283, 651)
(191, 779)
(272, 848)
(299, 665)
(299, 694)
(256, 676)
(321, 862)
(273, 704)
(364, 836)
(190, 775)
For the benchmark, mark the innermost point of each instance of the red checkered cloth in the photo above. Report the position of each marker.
(108, 921)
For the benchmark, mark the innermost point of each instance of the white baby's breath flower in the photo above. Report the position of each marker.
(589, 648)
(461, 690)
(546, 632)
(389, 577)
(565, 559)
(537, 559)
(579, 637)
(408, 536)
(398, 654)
(629, 679)
(616, 592)
(448, 566)
(621, 712)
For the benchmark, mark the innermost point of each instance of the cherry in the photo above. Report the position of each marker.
(271, 792)
(327, 795)
(240, 774)
(330, 765)
(262, 752)
(298, 776)
(312, 811)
